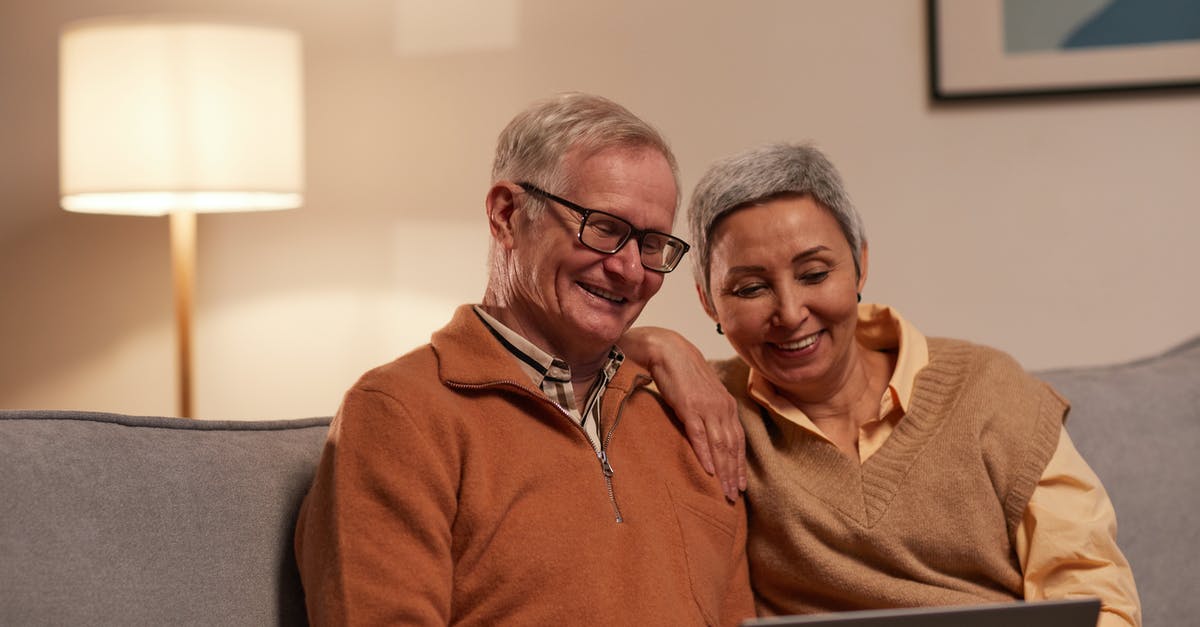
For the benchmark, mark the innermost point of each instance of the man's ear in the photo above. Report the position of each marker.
(708, 308)
(501, 206)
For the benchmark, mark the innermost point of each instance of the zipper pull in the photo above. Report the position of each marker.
(608, 471)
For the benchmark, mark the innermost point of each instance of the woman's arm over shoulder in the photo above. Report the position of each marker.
(1067, 541)
(691, 387)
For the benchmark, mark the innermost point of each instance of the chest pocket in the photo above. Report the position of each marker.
(707, 529)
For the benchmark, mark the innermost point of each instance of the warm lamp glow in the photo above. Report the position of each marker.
(157, 116)
(172, 117)
(161, 203)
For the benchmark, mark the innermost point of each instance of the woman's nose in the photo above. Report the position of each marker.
(791, 308)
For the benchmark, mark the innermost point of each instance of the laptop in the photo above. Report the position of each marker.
(1065, 613)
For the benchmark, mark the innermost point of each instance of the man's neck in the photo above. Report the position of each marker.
(581, 388)
(584, 367)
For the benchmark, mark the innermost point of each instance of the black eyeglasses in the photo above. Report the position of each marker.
(605, 233)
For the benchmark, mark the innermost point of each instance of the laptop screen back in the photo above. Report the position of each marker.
(1069, 613)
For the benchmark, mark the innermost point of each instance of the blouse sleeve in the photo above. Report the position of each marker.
(1067, 541)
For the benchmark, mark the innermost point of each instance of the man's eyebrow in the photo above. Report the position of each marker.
(799, 257)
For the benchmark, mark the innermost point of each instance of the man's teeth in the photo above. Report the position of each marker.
(799, 344)
(606, 295)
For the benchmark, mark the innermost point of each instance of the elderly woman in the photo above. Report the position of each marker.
(886, 469)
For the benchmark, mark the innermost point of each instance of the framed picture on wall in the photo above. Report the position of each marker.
(997, 48)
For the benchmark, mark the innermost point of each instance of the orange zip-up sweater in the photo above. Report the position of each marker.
(451, 491)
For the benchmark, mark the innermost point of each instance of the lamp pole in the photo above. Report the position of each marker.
(183, 270)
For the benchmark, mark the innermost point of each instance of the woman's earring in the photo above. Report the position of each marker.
(719, 331)
(860, 297)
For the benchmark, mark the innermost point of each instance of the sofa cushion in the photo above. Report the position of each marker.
(1138, 426)
(110, 519)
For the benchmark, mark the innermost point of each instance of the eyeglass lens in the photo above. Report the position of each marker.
(606, 233)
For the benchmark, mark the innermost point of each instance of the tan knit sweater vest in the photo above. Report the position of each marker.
(929, 519)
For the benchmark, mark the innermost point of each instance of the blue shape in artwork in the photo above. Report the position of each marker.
(1042, 25)
(1132, 22)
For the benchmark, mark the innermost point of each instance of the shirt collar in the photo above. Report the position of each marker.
(537, 363)
(882, 328)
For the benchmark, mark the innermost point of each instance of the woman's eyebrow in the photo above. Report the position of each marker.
(799, 257)
(809, 252)
(740, 270)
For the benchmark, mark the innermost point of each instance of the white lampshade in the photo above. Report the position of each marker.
(166, 115)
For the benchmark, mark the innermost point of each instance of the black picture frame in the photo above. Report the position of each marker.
(967, 60)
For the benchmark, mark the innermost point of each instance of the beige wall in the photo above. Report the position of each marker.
(1059, 230)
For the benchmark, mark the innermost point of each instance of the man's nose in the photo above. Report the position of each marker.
(627, 262)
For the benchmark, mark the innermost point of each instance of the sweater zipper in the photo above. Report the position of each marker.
(604, 465)
(602, 455)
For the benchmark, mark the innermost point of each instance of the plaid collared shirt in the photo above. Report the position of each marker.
(553, 376)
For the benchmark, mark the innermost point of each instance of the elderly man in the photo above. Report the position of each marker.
(517, 470)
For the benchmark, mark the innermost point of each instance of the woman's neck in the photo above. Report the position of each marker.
(844, 402)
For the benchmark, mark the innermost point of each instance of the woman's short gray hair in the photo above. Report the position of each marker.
(531, 148)
(758, 175)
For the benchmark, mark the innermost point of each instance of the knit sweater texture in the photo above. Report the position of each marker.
(452, 491)
(929, 519)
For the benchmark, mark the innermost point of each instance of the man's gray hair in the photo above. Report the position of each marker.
(531, 148)
(762, 174)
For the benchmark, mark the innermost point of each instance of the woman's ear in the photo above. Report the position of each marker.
(501, 206)
(862, 270)
(708, 308)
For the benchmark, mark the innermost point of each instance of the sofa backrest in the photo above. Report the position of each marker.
(1138, 426)
(120, 520)
(108, 519)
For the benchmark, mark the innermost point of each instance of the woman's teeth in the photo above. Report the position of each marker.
(803, 342)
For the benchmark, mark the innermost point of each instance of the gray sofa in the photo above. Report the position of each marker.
(123, 520)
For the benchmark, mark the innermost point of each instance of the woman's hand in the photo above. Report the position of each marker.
(692, 389)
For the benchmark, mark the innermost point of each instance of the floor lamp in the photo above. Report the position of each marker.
(171, 117)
